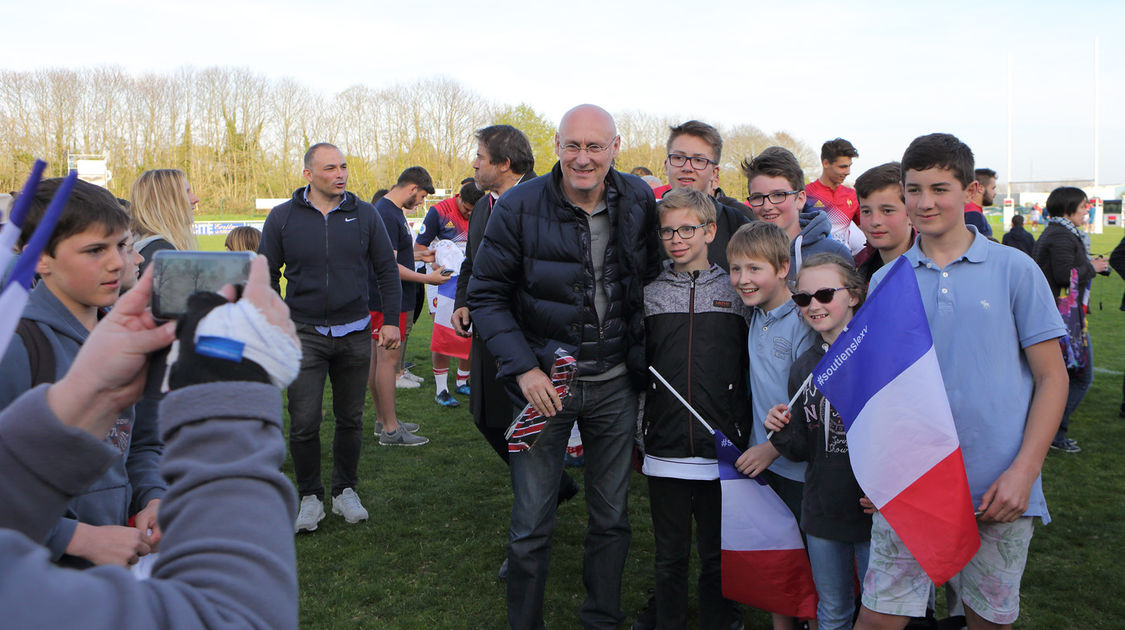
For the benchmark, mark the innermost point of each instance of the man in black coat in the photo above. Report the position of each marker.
(504, 159)
(1018, 237)
(563, 265)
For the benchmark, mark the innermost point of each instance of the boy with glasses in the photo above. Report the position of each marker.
(777, 195)
(695, 335)
(694, 150)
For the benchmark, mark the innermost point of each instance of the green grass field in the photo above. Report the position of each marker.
(439, 515)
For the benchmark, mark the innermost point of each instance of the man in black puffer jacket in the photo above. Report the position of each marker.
(563, 265)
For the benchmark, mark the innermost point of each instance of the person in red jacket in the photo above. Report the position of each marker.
(829, 194)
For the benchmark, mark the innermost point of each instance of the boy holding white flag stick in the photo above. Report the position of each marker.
(695, 329)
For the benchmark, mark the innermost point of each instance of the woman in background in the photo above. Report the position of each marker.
(1062, 249)
(162, 209)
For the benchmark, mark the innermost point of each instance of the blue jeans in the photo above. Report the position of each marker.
(345, 360)
(835, 567)
(606, 414)
(1080, 383)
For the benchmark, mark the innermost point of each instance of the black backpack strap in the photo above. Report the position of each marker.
(40, 357)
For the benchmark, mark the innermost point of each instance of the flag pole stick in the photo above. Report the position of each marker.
(681, 399)
(793, 399)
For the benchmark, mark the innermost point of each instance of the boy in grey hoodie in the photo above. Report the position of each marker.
(228, 559)
(81, 269)
(777, 195)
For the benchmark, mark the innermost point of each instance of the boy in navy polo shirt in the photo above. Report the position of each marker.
(995, 330)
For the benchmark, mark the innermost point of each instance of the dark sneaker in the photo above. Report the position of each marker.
(463, 389)
(445, 399)
(646, 618)
(1065, 445)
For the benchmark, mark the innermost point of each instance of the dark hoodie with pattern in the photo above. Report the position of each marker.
(695, 336)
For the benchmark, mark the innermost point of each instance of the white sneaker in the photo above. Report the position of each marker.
(311, 513)
(404, 382)
(414, 377)
(348, 506)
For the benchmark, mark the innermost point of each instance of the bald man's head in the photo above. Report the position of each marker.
(589, 114)
(586, 143)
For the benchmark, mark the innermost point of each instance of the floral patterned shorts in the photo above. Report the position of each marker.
(990, 584)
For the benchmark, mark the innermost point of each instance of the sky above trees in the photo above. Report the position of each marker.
(877, 73)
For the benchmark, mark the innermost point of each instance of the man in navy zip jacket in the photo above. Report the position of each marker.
(563, 265)
(327, 239)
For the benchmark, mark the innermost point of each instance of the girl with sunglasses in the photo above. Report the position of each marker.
(838, 532)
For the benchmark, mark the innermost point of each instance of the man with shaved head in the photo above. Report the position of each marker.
(562, 266)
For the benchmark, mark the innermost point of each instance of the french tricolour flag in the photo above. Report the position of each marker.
(882, 375)
(764, 562)
(13, 296)
(445, 340)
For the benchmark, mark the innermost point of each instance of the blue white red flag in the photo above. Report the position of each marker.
(883, 377)
(525, 429)
(13, 295)
(445, 340)
(764, 562)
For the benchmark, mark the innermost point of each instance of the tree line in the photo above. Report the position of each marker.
(240, 135)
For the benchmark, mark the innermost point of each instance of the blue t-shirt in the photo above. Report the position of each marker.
(984, 308)
(403, 243)
(776, 339)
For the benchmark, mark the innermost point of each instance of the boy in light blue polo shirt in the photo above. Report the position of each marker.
(759, 258)
(995, 329)
(758, 254)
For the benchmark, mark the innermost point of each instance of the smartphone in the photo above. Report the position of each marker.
(447, 272)
(176, 275)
